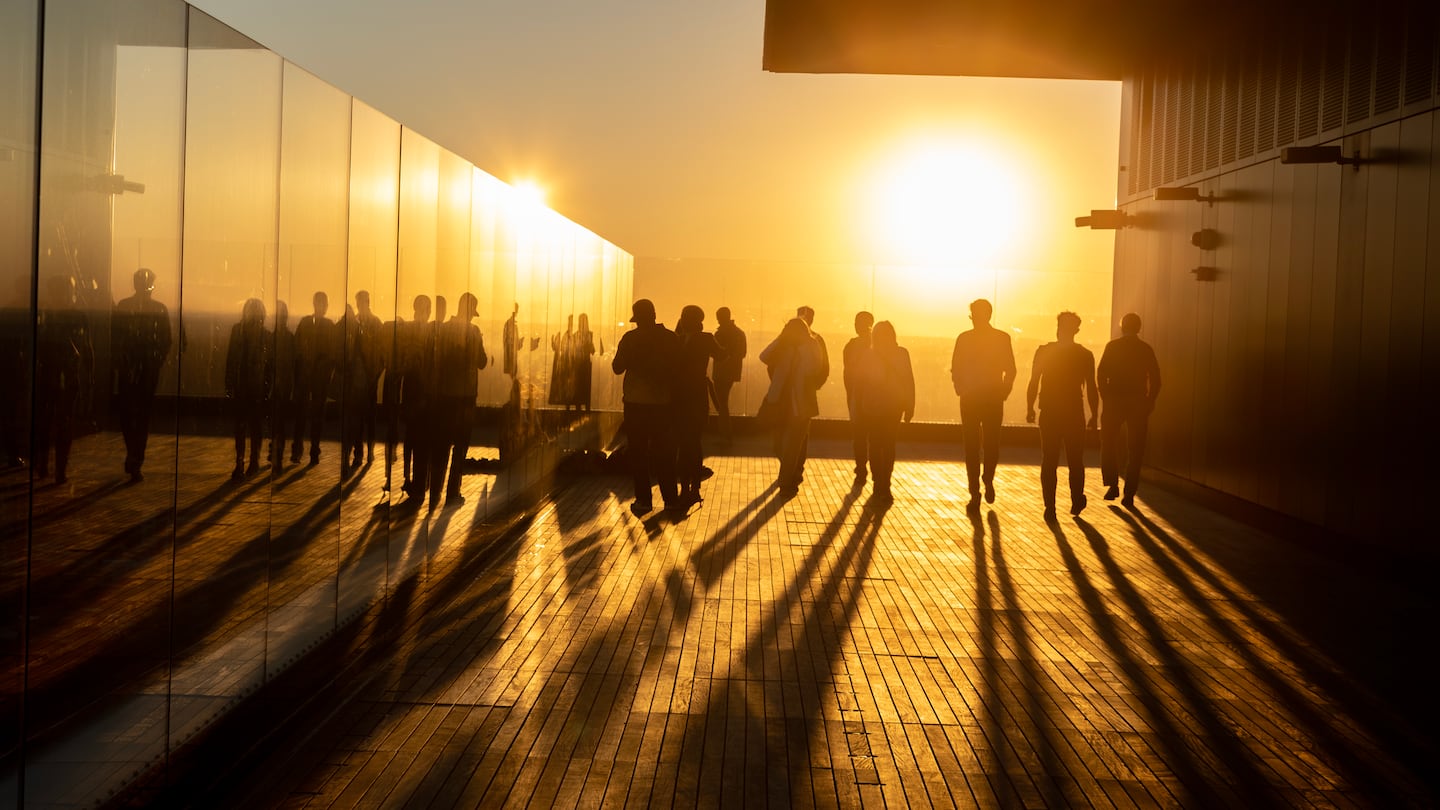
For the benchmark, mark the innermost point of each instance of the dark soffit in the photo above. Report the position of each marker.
(1082, 39)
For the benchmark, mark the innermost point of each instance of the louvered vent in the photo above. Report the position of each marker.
(1389, 67)
(1420, 62)
(1332, 93)
(1265, 107)
(1186, 144)
(1249, 93)
(1172, 119)
(1285, 97)
(1307, 119)
(1231, 121)
(1214, 112)
(1358, 88)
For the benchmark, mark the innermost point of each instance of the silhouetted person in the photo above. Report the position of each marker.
(1063, 375)
(856, 350)
(885, 395)
(64, 368)
(1129, 382)
(727, 369)
(796, 364)
(692, 399)
(982, 368)
(461, 352)
(424, 431)
(562, 377)
(647, 355)
(316, 353)
(807, 314)
(282, 389)
(363, 365)
(582, 349)
(391, 333)
(415, 345)
(249, 368)
(510, 342)
(139, 344)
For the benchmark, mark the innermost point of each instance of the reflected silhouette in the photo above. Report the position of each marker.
(1063, 371)
(282, 392)
(316, 353)
(982, 370)
(461, 355)
(139, 343)
(413, 344)
(362, 367)
(64, 373)
(249, 369)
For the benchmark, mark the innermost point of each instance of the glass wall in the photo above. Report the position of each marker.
(267, 350)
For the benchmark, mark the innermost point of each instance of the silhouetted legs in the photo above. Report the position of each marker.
(54, 422)
(1123, 432)
(135, 401)
(881, 433)
(980, 425)
(450, 447)
(793, 437)
(720, 391)
(860, 439)
(652, 452)
(1062, 432)
(689, 450)
(249, 422)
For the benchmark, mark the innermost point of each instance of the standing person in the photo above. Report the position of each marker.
(853, 357)
(282, 388)
(807, 314)
(363, 365)
(1129, 378)
(64, 366)
(1061, 373)
(795, 361)
(139, 343)
(413, 344)
(582, 349)
(646, 356)
(249, 368)
(510, 340)
(691, 398)
(885, 394)
(461, 356)
(982, 368)
(562, 378)
(727, 369)
(315, 356)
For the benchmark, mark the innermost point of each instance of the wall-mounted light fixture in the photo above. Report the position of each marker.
(1107, 220)
(1291, 155)
(115, 184)
(1205, 239)
(1204, 273)
(1185, 194)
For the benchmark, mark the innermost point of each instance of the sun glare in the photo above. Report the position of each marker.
(948, 204)
(529, 194)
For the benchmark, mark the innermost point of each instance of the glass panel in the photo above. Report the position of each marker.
(307, 493)
(374, 208)
(103, 533)
(19, 25)
(224, 538)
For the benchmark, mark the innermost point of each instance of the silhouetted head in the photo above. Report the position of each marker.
(469, 306)
(883, 335)
(806, 314)
(723, 315)
(321, 302)
(282, 314)
(795, 331)
(863, 322)
(980, 312)
(642, 311)
(144, 280)
(253, 313)
(439, 308)
(1130, 324)
(362, 302)
(584, 322)
(692, 319)
(1067, 324)
(421, 307)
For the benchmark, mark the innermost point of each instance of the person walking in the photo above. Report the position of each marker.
(853, 357)
(885, 396)
(982, 369)
(1062, 372)
(796, 363)
(1129, 382)
(647, 356)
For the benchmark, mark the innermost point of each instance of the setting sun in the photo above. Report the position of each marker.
(954, 204)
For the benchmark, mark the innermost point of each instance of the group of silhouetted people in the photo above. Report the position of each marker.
(667, 393)
(665, 400)
(1063, 380)
(429, 369)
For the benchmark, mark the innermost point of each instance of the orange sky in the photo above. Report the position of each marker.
(652, 124)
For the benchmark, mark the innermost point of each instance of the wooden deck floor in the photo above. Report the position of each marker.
(833, 651)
